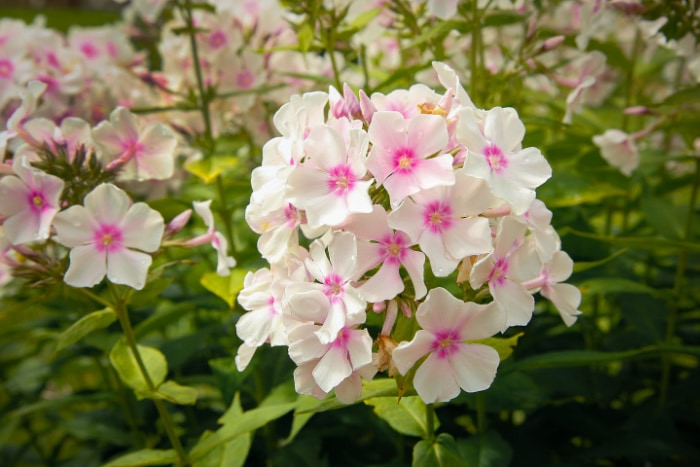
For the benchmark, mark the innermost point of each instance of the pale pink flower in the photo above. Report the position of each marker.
(262, 297)
(619, 150)
(444, 222)
(566, 297)
(332, 300)
(378, 244)
(591, 67)
(496, 155)
(405, 101)
(142, 152)
(401, 156)
(443, 9)
(30, 201)
(104, 235)
(329, 184)
(447, 324)
(513, 261)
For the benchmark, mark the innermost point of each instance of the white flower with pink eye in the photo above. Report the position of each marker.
(401, 156)
(332, 300)
(379, 244)
(566, 297)
(104, 236)
(619, 150)
(143, 152)
(514, 260)
(262, 297)
(329, 184)
(444, 222)
(30, 201)
(496, 155)
(447, 324)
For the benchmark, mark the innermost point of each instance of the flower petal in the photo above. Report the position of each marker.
(474, 366)
(128, 267)
(87, 267)
(142, 228)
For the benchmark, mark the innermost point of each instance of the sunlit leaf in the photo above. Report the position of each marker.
(440, 452)
(145, 457)
(225, 287)
(485, 450)
(208, 168)
(406, 415)
(124, 361)
(503, 345)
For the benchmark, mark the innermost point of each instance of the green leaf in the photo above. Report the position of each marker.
(234, 452)
(441, 452)
(643, 243)
(503, 345)
(238, 424)
(125, 363)
(503, 18)
(84, 326)
(580, 266)
(363, 19)
(302, 414)
(406, 415)
(145, 457)
(663, 216)
(684, 96)
(208, 168)
(175, 393)
(485, 450)
(305, 37)
(225, 287)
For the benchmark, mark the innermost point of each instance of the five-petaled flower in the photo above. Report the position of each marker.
(104, 235)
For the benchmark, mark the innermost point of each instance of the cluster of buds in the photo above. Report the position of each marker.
(402, 200)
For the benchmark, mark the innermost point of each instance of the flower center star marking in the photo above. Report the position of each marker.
(496, 159)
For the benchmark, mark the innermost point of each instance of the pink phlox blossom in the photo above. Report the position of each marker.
(447, 324)
(30, 200)
(565, 297)
(73, 133)
(444, 222)
(329, 363)
(401, 158)
(278, 230)
(495, 154)
(450, 80)
(590, 67)
(619, 150)
(405, 101)
(331, 300)
(243, 72)
(213, 236)
(380, 245)
(6, 262)
(142, 151)
(330, 183)
(15, 70)
(30, 100)
(512, 262)
(347, 105)
(538, 220)
(104, 236)
(102, 46)
(262, 298)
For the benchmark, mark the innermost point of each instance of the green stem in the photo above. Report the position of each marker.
(430, 420)
(474, 49)
(678, 287)
(166, 419)
(203, 100)
(329, 39)
(481, 421)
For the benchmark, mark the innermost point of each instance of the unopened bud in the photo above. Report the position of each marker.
(637, 110)
(552, 43)
(178, 222)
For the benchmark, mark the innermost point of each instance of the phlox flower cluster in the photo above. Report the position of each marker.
(378, 203)
(107, 234)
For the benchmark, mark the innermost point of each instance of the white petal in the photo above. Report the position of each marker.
(87, 267)
(385, 284)
(74, 226)
(516, 301)
(474, 366)
(332, 369)
(128, 267)
(435, 382)
(408, 353)
(142, 228)
(107, 204)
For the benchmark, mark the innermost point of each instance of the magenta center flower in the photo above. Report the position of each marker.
(498, 162)
(404, 160)
(341, 179)
(217, 39)
(89, 50)
(6, 68)
(392, 247)
(497, 277)
(245, 79)
(333, 287)
(37, 201)
(437, 216)
(108, 237)
(445, 343)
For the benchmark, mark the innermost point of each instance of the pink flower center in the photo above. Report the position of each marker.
(131, 149)
(496, 159)
(404, 160)
(342, 338)
(497, 276)
(333, 287)
(445, 343)
(108, 237)
(89, 50)
(245, 79)
(393, 247)
(37, 202)
(112, 49)
(437, 216)
(292, 215)
(217, 39)
(6, 68)
(341, 179)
